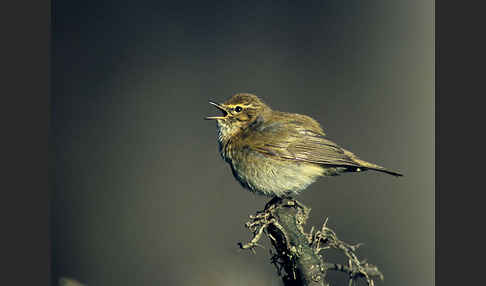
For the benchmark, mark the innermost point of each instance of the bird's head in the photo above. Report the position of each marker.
(238, 112)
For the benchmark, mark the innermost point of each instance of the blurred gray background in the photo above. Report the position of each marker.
(139, 193)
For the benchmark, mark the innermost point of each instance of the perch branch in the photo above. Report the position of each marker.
(297, 255)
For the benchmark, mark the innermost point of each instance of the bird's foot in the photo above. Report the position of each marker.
(273, 203)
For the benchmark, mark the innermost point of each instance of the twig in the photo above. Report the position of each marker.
(370, 269)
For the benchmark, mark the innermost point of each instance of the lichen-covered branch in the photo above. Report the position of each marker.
(297, 255)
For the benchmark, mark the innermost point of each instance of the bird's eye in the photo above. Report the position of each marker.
(238, 109)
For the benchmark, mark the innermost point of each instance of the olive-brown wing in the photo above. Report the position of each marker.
(295, 142)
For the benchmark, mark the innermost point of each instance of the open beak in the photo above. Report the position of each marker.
(225, 113)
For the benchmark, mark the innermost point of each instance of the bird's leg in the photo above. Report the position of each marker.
(291, 202)
(284, 200)
(272, 203)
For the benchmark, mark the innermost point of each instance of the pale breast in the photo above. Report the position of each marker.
(273, 177)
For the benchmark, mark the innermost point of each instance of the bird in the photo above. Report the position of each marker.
(279, 154)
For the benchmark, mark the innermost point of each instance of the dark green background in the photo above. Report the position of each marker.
(139, 194)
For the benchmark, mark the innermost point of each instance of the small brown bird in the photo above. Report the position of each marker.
(277, 153)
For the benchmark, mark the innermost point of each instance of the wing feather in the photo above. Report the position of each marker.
(294, 141)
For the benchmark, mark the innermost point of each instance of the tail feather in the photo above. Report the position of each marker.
(386, 171)
(370, 166)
